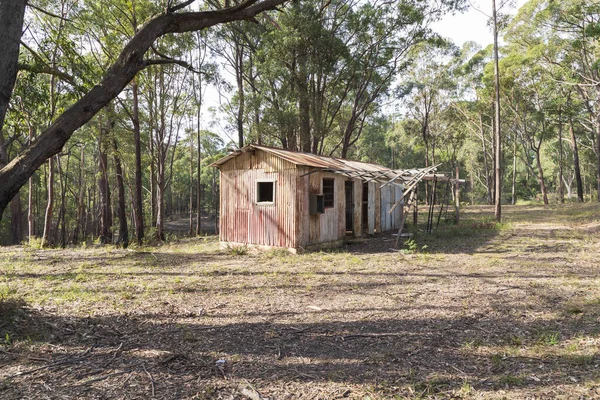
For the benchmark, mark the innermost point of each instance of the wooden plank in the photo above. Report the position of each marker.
(357, 215)
(314, 187)
(371, 208)
(377, 209)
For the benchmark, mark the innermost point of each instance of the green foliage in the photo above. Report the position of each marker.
(314, 76)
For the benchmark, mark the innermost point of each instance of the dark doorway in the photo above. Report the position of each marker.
(349, 190)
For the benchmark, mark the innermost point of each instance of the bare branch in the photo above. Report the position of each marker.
(180, 6)
(48, 12)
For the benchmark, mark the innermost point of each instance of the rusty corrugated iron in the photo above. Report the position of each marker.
(348, 168)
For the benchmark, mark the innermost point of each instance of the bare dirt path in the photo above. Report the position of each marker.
(475, 311)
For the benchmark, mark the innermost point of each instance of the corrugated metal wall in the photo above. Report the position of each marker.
(243, 220)
(389, 195)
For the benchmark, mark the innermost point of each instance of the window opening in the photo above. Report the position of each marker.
(328, 192)
(265, 192)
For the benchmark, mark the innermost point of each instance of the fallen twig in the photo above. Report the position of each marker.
(371, 335)
(151, 378)
(101, 378)
(117, 351)
(68, 360)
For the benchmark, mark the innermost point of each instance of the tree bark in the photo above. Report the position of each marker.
(130, 61)
(541, 175)
(239, 75)
(80, 222)
(49, 204)
(513, 197)
(485, 161)
(561, 191)
(598, 155)
(138, 199)
(105, 234)
(123, 238)
(497, 135)
(12, 13)
(304, 142)
(16, 220)
(191, 204)
(576, 162)
(62, 215)
(30, 223)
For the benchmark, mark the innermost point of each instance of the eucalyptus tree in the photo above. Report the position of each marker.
(472, 108)
(529, 97)
(115, 22)
(131, 60)
(427, 90)
(566, 35)
(327, 65)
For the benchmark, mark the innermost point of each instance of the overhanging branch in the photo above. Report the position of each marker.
(129, 63)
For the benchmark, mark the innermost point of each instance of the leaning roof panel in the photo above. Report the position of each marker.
(349, 168)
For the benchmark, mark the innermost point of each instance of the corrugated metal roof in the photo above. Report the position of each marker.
(350, 168)
(305, 159)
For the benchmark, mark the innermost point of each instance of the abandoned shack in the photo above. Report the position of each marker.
(272, 197)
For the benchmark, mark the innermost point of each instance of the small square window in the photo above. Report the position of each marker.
(265, 192)
(328, 192)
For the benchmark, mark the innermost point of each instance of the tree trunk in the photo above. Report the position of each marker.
(49, 204)
(138, 205)
(160, 201)
(161, 158)
(304, 110)
(513, 198)
(239, 74)
(12, 13)
(30, 222)
(576, 162)
(105, 234)
(561, 191)
(485, 161)
(62, 218)
(497, 135)
(198, 182)
(541, 175)
(598, 154)
(191, 204)
(16, 220)
(80, 221)
(123, 238)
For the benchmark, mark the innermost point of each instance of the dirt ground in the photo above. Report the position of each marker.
(479, 310)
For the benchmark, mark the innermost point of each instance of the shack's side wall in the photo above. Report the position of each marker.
(245, 221)
(372, 216)
(389, 196)
(321, 228)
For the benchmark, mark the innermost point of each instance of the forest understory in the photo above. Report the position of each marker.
(478, 310)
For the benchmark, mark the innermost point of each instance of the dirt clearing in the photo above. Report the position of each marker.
(477, 310)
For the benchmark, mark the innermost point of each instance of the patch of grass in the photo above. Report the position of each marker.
(281, 254)
(514, 341)
(582, 359)
(7, 291)
(511, 380)
(430, 387)
(466, 389)
(497, 359)
(237, 250)
(548, 338)
(473, 344)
